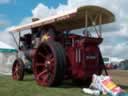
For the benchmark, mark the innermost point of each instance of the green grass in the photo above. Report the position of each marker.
(28, 87)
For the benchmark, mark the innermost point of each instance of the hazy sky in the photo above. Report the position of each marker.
(17, 12)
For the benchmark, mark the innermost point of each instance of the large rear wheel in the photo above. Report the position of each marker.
(49, 64)
(18, 69)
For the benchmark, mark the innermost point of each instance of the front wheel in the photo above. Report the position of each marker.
(18, 69)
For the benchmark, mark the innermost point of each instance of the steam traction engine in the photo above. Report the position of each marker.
(54, 53)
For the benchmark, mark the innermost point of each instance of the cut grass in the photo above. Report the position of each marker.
(29, 87)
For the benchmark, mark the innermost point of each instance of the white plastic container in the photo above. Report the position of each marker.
(91, 91)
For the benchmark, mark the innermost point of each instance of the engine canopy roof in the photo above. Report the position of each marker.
(73, 19)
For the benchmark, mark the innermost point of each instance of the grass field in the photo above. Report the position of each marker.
(28, 87)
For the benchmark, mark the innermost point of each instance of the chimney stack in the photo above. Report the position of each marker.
(34, 30)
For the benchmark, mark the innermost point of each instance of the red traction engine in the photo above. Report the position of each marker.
(54, 53)
(78, 58)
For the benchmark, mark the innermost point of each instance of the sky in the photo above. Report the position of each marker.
(18, 12)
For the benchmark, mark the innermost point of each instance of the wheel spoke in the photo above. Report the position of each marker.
(17, 75)
(17, 71)
(46, 50)
(40, 75)
(51, 68)
(52, 60)
(49, 56)
(14, 72)
(45, 78)
(40, 64)
(42, 55)
(49, 75)
(16, 68)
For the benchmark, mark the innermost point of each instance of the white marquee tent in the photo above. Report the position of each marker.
(7, 57)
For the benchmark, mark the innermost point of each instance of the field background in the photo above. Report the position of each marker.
(28, 87)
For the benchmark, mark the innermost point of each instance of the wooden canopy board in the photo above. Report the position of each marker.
(73, 19)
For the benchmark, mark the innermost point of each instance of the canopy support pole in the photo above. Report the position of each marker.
(19, 39)
(94, 25)
(14, 39)
(100, 24)
(86, 20)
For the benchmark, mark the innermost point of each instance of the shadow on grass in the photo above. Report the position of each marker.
(64, 84)
(70, 84)
(28, 77)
